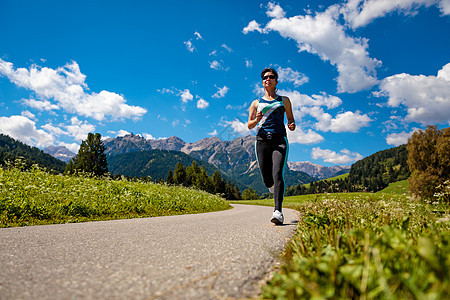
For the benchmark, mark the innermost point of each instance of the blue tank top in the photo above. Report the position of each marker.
(273, 119)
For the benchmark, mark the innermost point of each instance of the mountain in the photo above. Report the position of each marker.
(11, 149)
(235, 159)
(318, 171)
(59, 152)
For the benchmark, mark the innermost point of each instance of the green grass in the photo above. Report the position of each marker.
(365, 246)
(35, 197)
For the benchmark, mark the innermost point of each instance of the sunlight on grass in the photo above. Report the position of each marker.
(35, 197)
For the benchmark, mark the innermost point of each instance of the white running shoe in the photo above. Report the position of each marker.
(277, 218)
(271, 189)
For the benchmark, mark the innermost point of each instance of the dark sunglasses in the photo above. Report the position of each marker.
(269, 76)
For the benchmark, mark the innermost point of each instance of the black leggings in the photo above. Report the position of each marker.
(272, 157)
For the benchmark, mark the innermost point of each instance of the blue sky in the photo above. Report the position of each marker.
(361, 75)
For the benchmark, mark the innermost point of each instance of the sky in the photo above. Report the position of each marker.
(362, 75)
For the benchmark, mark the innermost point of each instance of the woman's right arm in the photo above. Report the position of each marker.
(253, 116)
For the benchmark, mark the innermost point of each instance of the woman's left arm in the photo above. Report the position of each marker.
(289, 114)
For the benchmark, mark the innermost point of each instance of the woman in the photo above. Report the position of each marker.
(272, 146)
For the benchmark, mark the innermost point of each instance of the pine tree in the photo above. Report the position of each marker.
(91, 157)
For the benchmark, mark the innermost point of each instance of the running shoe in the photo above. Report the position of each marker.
(277, 218)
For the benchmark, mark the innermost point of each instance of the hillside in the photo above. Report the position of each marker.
(370, 174)
(11, 149)
(154, 163)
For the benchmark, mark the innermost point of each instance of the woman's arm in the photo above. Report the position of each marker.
(289, 114)
(253, 116)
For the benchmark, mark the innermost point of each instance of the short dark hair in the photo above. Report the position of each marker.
(269, 70)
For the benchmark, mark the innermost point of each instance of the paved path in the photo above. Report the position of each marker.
(206, 256)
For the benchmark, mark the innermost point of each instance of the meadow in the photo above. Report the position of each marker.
(381, 245)
(35, 197)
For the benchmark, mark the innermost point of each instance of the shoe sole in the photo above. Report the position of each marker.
(276, 221)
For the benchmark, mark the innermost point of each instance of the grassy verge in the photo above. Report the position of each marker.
(35, 197)
(365, 246)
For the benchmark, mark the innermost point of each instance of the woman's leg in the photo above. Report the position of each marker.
(279, 158)
(264, 157)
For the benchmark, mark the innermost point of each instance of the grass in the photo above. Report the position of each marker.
(35, 197)
(365, 246)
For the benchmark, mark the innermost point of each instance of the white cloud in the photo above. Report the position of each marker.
(323, 35)
(29, 115)
(359, 13)
(252, 26)
(397, 139)
(148, 136)
(300, 100)
(238, 127)
(213, 133)
(344, 157)
(275, 11)
(198, 36)
(224, 46)
(427, 98)
(79, 129)
(65, 88)
(202, 104)
(186, 96)
(215, 65)
(248, 63)
(23, 129)
(343, 122)
(287, 74)
(444, 6)
(221, 92)
(300, 137)
(121, 133)
(189, 46)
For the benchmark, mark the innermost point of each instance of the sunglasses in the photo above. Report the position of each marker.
(269, 76)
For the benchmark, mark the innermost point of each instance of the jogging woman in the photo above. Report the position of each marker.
(272, 146)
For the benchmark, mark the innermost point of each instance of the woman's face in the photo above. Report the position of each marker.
(269, 80)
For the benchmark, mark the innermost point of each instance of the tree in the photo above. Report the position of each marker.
(91, 157)
(249, 194)
(428, 160)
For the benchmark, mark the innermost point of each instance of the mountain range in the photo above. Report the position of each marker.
(236, 159)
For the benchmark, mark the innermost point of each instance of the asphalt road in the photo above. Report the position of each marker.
(205, 256)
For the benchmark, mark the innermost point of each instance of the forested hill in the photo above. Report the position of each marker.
(369, 174)
(154, 163)
(11, 149)
(376, 171)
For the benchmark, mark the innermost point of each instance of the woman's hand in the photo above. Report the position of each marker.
(291, 126)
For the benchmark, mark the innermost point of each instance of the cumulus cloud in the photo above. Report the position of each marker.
(324, 36)
(252, 26)
(65, 88)
(23, 129)
(289, 75)
(343, 157)
(202, 104)
(275, 11)
(359, 13)
(343, 122)
(427, 98)
(301, 137)
(221, 92)
(238, 126)
(79, 129)
(186, 96)
(397, 139)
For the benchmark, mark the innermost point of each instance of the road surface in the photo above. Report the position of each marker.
(204, 256)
